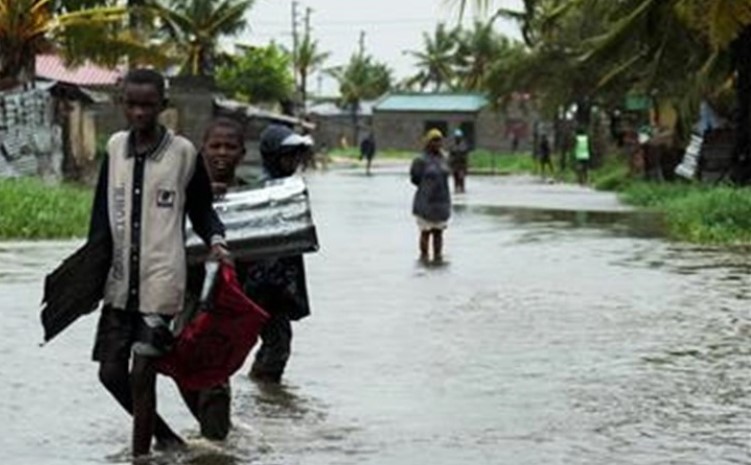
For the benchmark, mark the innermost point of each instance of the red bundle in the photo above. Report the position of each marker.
(213, 346)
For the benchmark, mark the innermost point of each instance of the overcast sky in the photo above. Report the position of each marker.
(391, 26)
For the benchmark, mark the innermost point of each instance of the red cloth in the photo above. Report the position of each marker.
(216, 343)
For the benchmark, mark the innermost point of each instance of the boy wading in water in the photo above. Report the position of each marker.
(276, 284)
(150, 180)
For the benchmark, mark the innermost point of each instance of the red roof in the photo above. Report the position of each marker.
(53, 67)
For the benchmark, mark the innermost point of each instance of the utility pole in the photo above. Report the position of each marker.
(308, 12)
(362, 43)
(305, 67)
(295, 6)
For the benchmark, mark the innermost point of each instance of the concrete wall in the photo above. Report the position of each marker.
(193, 98)
(494, 131)
(331, 128)
(404, 130)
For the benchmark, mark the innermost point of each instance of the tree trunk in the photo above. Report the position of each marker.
(355, 108)
(741, 50)
(304, 89)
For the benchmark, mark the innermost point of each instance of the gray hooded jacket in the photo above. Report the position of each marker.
(432, 200)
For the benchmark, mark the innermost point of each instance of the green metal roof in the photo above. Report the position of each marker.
(455, 103)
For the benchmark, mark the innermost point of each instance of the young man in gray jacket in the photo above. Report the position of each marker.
(150, 180)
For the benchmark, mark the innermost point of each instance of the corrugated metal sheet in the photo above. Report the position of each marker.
(454, 103)
(53, 67)
(272, 221)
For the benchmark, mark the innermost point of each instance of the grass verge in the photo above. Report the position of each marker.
(695, 213)
(480, 161)
(486, 162)
(31, 209)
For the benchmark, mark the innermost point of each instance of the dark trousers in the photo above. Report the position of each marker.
(276, 347)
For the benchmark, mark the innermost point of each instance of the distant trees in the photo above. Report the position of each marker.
(458, 58)
(436, 62)
(193, 28)
(261, 74)
(362, 78)
(598, 51)
(308, 59)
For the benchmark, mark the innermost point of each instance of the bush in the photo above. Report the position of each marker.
(697, 213)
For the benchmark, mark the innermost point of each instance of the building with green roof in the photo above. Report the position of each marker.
(400, 120)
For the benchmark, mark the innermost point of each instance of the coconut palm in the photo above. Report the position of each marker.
(194, 27)
(361, 79)
(709, 39)
(29, 27)
(309, 59)
(478, 49)
(436, 61)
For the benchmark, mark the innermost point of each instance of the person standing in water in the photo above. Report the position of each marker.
(368, 151)
(582, 153)
(276, 284)
(432, 201)
(458, 160)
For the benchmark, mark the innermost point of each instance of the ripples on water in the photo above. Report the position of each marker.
(550, 336)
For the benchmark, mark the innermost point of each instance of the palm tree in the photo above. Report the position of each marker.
(361, 79)
(29, 27)
(718, 35)
(478, 49)
(436, 61)
(195, 26)
(309, 59)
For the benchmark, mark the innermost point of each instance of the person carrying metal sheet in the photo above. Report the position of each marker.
(276, 284)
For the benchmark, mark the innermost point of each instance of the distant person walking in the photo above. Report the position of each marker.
(543, 156)
(367, 151)
(459, 160)
(432, 202)
(582, 155)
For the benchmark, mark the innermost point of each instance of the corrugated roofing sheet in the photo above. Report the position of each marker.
(462, 103)
(53, 68)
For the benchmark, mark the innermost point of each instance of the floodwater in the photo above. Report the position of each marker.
(562, 330)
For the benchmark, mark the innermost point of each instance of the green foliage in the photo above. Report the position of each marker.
(262, 74)
(696, 213)
(436, 62)
(459, 58)
(33, 210)
(30, 27)
(193, 28)
(362, 78)
(484, 161)
(309, 59)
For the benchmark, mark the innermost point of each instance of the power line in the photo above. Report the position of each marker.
(366, 21)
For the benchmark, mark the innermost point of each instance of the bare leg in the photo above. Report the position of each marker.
(115, 377)
(424, 243)
(144, 404)
(437, 245)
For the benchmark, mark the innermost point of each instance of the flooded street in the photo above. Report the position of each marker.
(561, 330)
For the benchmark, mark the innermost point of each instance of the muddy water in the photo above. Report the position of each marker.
(561, 330)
